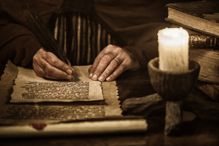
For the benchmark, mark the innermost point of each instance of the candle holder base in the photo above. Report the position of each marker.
(173, 88)
(173, 117)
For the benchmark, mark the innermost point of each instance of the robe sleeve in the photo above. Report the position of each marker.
(17, 42)
(136, 22)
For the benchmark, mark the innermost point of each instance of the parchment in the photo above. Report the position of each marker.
(33, 112)
(31, 88)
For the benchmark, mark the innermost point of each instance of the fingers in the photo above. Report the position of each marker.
(47, 65)
(38, 70)
(52, 72)
(110, 63)
(102, 65)
(110, 69)
(57, 63)
(98, 58)
(117, 72)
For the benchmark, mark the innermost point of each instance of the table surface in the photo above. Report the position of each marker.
(134, 84)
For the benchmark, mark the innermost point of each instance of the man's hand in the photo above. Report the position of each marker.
(47, 65)
(111, 62)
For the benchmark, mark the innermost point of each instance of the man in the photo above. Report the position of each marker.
(133, 24)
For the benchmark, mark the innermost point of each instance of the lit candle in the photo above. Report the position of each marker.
(173, 46)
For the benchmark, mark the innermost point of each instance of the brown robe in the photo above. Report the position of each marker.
(134, 22)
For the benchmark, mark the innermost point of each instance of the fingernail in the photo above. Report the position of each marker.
(100, 78)
(69, 77)
(94, 77)
(90, 75)
(69, 71)
(107, 79)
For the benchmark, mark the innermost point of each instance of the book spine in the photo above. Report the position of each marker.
(203, 41)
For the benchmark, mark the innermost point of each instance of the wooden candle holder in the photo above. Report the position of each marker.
(173, 88)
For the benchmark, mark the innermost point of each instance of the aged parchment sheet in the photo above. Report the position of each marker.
(50, 112)
(35, 119)
(31, 88)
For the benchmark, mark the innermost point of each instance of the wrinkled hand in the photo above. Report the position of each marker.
(47, 65)
(111, 62)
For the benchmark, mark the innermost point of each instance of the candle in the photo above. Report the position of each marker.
(173, 47)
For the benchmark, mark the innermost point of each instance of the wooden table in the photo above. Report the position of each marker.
(134, 84)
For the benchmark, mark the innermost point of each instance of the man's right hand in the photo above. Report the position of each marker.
(48, 65)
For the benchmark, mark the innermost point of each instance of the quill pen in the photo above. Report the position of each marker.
(36, 25)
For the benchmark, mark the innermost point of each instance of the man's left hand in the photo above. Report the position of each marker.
(111, 62)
